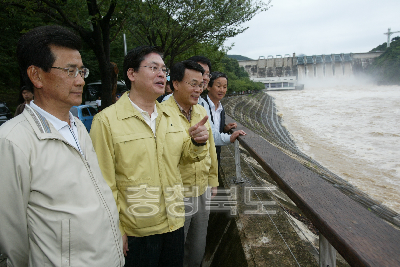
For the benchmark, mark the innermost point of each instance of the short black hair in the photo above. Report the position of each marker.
(202, 60)
(21, 98)
(178, 70)
(215, 75)
(134, 57)
(33, 48)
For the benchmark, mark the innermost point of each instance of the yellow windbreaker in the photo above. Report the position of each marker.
(142, 169)
(198, 176)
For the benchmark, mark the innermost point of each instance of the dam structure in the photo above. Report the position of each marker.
(284, 72)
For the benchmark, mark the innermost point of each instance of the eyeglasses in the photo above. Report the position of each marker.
(74, 71)
(194, 84)
(208, 75)
(157, 70)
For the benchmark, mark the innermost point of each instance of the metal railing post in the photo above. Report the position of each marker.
(327, 253)
(239, 178)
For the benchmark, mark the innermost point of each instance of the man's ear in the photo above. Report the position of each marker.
(34, 74)
(176, 85)
(131, 74)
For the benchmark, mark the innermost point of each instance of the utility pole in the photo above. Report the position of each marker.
(389, 33)
(125, 47)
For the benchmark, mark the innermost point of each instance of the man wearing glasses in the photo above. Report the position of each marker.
(221, 138)
(140, 145)
(56, 209)
(198, 178)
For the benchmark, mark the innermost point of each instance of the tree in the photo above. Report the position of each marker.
(97, 22)
(13, 25)
(177, 26)
(238, 78)
(379, 48)
(386, 68)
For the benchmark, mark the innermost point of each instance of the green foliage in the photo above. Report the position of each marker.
(182, 28)
(238, 78)
(179, 26)
(14, 23)
(98, 23)
(215, 52)
(380, 48)
(386, 68)
(239, 57)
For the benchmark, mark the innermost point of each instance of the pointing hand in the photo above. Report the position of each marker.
(199, 132)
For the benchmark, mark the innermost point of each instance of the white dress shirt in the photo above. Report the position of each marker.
(166, 97)
(220, 139)
(149, 119)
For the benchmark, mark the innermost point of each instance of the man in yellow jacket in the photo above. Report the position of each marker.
(187, 81)
(140, 145)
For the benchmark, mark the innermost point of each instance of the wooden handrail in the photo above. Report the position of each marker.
(362, 238)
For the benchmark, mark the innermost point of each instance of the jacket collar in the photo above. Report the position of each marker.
(45, 130)
(195, 113)
(39, 123)
(51, 119)
(124, 108)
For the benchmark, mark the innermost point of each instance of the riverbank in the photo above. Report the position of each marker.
(258, 113)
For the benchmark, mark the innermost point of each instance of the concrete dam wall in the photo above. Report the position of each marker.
(336, 66)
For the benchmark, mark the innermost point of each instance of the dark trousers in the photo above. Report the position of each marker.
(218, 150)
(160, 250)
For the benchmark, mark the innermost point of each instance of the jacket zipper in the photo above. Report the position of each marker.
(87, 165)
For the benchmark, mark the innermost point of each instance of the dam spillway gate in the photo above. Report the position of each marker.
(332, 66)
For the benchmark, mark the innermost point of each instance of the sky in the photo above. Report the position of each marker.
(315, 27)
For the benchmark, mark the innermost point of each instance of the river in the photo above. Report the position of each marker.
(353, 130)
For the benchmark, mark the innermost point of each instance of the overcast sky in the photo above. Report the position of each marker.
(315, 27)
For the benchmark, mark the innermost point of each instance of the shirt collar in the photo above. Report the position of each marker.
(142, 111)
(56, 122)
(186, 114)
(213, 106)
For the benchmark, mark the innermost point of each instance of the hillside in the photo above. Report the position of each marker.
(386, 68)
(239, 57)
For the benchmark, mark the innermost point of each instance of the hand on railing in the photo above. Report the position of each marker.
(235, 135)
(230, 126)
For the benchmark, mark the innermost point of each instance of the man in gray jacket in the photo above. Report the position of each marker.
(56, 208)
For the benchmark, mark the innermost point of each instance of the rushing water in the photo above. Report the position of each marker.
(353, 130)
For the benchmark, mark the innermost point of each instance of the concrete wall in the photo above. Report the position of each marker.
(320, 71)
(328, 71)
(348, 69)
(287, 66)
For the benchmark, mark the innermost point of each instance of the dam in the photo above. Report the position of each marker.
(283, 72)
